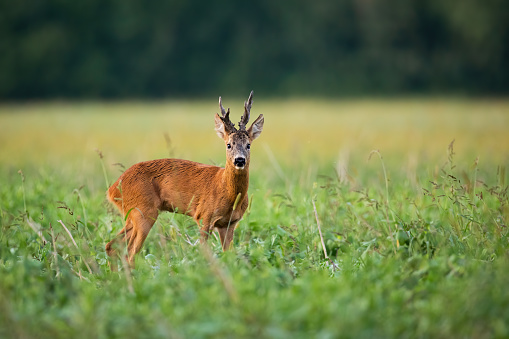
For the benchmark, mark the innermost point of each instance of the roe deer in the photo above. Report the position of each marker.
(214, 195)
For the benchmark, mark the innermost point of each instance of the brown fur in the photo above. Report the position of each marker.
(205, 193)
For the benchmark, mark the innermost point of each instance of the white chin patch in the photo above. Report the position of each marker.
(239, 168)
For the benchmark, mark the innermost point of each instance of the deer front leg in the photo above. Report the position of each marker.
(206, 228)
(205, 231)
(226, 235)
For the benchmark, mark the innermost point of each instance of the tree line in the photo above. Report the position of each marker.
(154, 49)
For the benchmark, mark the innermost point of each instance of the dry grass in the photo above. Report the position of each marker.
(129, 132)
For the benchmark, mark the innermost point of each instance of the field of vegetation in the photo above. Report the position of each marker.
(369, 218)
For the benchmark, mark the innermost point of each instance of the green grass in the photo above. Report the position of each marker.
(416, 231)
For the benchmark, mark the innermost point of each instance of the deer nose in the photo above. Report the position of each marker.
(239, 162)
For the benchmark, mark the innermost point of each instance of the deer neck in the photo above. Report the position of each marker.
(236, 181)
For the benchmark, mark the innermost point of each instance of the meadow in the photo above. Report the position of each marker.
(369, 218)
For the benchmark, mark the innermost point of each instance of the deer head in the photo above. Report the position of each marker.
(238, 142)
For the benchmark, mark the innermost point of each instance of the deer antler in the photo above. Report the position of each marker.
(247, 110)
(223, 111)
(226, 118)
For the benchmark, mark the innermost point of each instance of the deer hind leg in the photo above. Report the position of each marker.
(226, 236)
(116, 246)
(142, 224)
(113, 247)
(134, 233)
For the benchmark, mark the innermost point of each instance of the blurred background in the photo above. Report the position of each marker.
(117, 49)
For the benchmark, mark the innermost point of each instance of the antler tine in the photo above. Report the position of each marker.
(226, 117)
(247, 111)
(223, 112)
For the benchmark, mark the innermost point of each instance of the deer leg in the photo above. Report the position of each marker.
(118, 243)
(205, 230)
(204, 234)
(142, 224)
(226, 236)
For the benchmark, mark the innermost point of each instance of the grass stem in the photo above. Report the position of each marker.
(101, 157)
(321, 237)
(55, 253)
(387, 202)
(74, 242)
(220, 273)
(23, 190)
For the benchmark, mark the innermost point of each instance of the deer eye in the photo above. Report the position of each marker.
(248, 146)
(228, 146)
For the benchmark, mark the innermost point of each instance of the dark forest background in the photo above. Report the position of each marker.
(157, 49)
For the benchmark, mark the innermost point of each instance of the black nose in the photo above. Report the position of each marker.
(239, 162)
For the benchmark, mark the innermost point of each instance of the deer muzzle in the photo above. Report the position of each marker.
(239, 162)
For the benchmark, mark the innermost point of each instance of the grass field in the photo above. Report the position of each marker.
(411, 197)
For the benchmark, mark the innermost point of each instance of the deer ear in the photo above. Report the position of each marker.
(219, 127)
(256, 128)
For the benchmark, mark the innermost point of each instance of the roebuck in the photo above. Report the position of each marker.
(213, 195)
